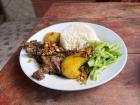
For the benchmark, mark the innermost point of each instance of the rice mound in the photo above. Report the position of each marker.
(76, 34)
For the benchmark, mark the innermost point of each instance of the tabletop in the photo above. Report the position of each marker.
(123, 18)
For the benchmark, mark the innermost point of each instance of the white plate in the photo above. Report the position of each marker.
(58, 83)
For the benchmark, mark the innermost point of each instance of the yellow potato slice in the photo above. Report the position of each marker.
(52, 37)
(70, 66)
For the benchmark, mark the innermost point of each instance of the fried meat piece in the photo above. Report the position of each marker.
(39, 75)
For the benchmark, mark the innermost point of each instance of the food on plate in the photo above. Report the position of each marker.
(75, 35)
(52, 37)
(30, 60)
(104, 54)
(70, 66)
(76, 53)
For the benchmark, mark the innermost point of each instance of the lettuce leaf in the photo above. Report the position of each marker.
(105, 53)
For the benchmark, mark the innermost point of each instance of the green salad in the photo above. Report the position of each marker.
(104, 54)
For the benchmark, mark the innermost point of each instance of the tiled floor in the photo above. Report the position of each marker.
(11, 36)
(18, 9)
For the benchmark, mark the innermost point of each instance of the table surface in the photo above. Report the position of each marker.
(123, 18)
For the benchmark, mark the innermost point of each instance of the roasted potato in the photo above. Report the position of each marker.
(70, 66)
(52, 37)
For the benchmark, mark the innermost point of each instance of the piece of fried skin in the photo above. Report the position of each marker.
(38, 75)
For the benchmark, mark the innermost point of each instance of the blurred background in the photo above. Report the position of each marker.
(17, 18)
(15, 10)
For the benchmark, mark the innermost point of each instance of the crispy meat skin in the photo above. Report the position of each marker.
(49, 63)
(33, 48)
(39, 75)
(50, 56)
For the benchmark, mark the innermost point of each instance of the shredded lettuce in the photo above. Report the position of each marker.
(105, 53)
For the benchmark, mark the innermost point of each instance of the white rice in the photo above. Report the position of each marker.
(76, 34)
